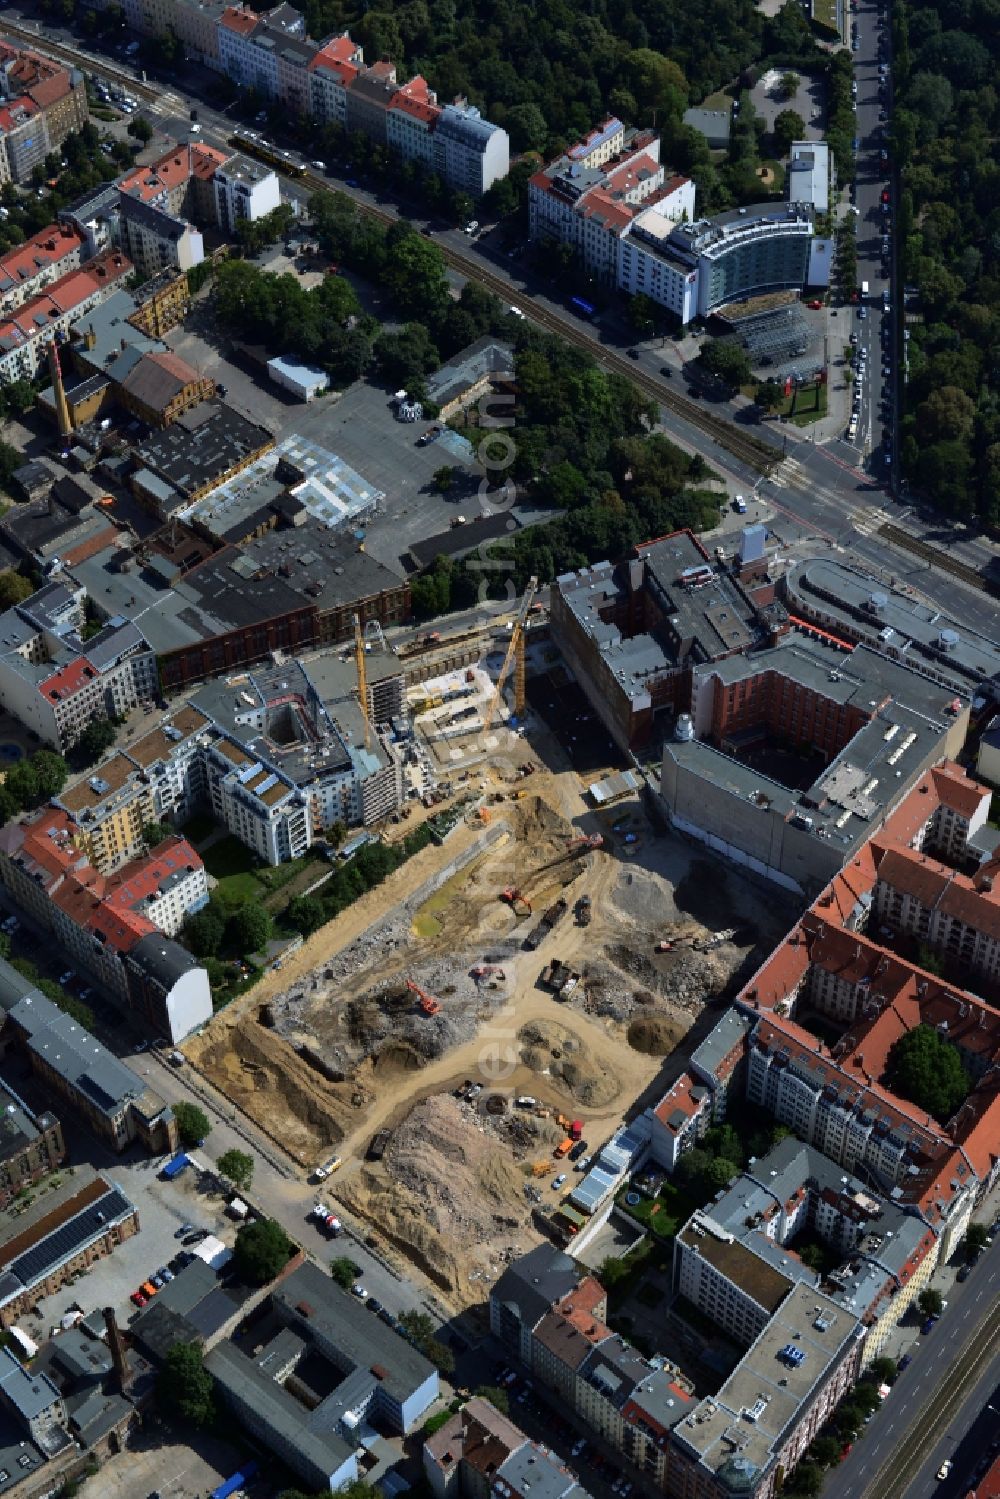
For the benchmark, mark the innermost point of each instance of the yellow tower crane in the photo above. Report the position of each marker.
(359, 660)
(515, 653)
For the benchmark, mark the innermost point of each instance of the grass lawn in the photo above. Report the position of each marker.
(231, 864)
(825, 13)
(664, 1214)
(804, 405)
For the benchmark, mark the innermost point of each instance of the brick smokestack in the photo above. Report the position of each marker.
(59, 391)
(116, 1344)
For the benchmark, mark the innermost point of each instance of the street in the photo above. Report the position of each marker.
(912, 1411)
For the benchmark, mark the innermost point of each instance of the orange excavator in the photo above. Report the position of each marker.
(586, 840)
(513, 898)
(428, 1003)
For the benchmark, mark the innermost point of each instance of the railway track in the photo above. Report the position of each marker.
(757, 454)
(761, 456)
(937, 557)
(78, 59)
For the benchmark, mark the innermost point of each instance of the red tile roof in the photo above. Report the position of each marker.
(145, 877)
(240, 21)
(37, 254)
(68, 680)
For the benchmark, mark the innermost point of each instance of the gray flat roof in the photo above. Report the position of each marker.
(925, 636)
(360, 1338)
(73, 1052)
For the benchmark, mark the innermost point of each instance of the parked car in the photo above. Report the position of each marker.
(374, 1305)
(359, 1291)
(138, 1298)
(944, 1469)
(165, 1274)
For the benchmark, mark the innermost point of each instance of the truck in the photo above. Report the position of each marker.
(583, 910)
(174, 1167)
(564, 1148)
(327, 1220)
(576, 1130)
(864, 291)
(379, 1145)
(548, 920)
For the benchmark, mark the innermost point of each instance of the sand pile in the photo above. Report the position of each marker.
(448, 1195)
(552, 1050)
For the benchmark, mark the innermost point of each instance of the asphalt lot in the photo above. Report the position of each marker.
(156, 1460)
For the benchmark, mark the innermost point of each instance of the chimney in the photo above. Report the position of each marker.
(89, 339)
(117, 1346)
(59, 391)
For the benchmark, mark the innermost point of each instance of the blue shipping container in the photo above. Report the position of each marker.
(237, 1481)
(175, 1167)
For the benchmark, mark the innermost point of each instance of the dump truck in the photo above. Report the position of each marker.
(564, 1148)
(583, 910)
(553, 974)
(544, 925)
(379, 1145)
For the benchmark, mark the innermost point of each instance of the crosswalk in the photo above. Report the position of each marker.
(786, 472)
(867, 520)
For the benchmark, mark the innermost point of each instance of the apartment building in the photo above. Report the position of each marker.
(161, 303)
(243, 189)
(195, 23)
(55, 682)
(31, 1145)
(41, 102)
(589, 196)
(49, 255)
(680, 1119)
(332, 71)
(470, 153)
(25, 336)
(410, 124)
(479, 1454)
(735, 1256)
(60, 1235)
(102, 923)
(777, 1399)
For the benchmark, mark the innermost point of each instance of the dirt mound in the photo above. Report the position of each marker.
(265, 1076)
(653, 1035)
(550, 1048)
(448, 1195)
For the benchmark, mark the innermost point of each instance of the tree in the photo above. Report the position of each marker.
(824, 1450)
(97, 737)
(261, 1251)
(14, 588)
(204, 931)
(806, 1480)
(788, 85)
(930, 1303)
(306, 913)
(883, 1370)
(726, 360)
(498, 1398)
(642, 312)
(788, 127)
(140, 129)
(420, 1330)
(193, 1124)
(928, 1071)
(344, 1271)
(526, 126)
(153, 833)
(50, 771)
(769, 394)
(443, 478)
(248, 930)
(184, 1388)
(976, 1239)
(236, 1166)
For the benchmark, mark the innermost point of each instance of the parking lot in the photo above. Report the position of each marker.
(163, 1207)
(158, 1461)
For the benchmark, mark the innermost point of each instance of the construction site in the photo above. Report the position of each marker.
(470, 1029)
